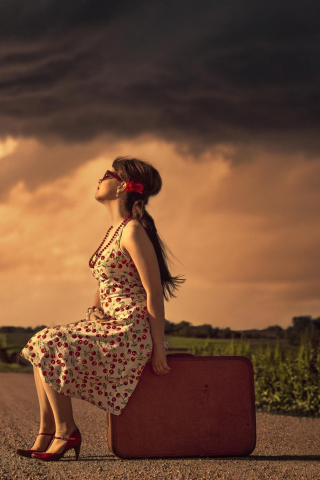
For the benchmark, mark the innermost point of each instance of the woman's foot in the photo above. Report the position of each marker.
(57, 445)
(41, 442)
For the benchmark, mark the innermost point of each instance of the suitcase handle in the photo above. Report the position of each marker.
(180, 354)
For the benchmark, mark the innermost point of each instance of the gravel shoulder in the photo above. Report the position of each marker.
(287, 447)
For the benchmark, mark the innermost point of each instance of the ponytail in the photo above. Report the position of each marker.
(143, 172)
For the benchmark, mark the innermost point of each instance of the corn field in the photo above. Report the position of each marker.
(286, 380)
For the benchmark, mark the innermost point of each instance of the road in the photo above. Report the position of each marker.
(287, 447)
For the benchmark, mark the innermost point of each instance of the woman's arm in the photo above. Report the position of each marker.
(139, 246)
(155, 306)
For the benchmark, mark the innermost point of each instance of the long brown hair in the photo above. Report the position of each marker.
(140, 171)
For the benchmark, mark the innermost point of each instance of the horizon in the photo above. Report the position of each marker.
(199, 325)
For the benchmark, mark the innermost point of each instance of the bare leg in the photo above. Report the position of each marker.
(47, 422)
(61, 406)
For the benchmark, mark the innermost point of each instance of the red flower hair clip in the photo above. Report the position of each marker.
(134, 187)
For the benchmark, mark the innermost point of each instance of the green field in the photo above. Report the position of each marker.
(14, 339)
(286, 377)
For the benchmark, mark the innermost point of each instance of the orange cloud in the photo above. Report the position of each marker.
(244, 236)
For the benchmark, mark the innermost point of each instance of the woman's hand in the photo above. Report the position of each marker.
(95, 314)
(159, 359)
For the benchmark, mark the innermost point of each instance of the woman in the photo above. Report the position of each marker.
(100, 359)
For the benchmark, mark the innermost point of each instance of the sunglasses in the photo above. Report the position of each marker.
(109, 174)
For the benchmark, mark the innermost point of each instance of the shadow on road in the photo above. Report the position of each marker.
(314, 458)
(277, 458)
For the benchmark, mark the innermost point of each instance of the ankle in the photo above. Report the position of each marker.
(63, 430)
(47, 428)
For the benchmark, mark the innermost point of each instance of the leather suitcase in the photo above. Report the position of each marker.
(205, 406)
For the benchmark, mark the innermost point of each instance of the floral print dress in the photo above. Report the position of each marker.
(100, 362)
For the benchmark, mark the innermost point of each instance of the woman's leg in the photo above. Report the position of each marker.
(47, 422)
(63, 416)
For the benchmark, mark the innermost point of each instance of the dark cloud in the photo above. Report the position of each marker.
(35, 19)
(193, 72)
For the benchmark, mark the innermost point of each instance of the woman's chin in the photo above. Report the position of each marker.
(100, 196)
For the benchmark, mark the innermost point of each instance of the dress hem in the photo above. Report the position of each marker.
(65, 394)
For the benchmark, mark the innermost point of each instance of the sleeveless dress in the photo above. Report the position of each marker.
(100, 362)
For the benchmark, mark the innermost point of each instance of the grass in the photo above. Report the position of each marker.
(14, 368)
(286, 377)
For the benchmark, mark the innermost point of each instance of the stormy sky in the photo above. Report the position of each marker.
(222, 97)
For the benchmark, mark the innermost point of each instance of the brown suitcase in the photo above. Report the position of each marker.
(205, 406)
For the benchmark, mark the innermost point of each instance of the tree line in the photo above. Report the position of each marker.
(301, 325)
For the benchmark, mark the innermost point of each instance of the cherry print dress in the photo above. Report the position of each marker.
(100, 362)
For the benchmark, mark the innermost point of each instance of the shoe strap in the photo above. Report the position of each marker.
(64, 438)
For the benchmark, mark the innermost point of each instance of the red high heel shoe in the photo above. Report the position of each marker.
(74, 441)
(27, 453)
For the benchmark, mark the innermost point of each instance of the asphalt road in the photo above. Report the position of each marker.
(286, 448)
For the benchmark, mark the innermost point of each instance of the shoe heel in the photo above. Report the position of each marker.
(77, 451)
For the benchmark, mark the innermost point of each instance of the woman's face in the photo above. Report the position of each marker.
(107, 186)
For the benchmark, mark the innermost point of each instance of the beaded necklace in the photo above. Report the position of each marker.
(91, 262)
